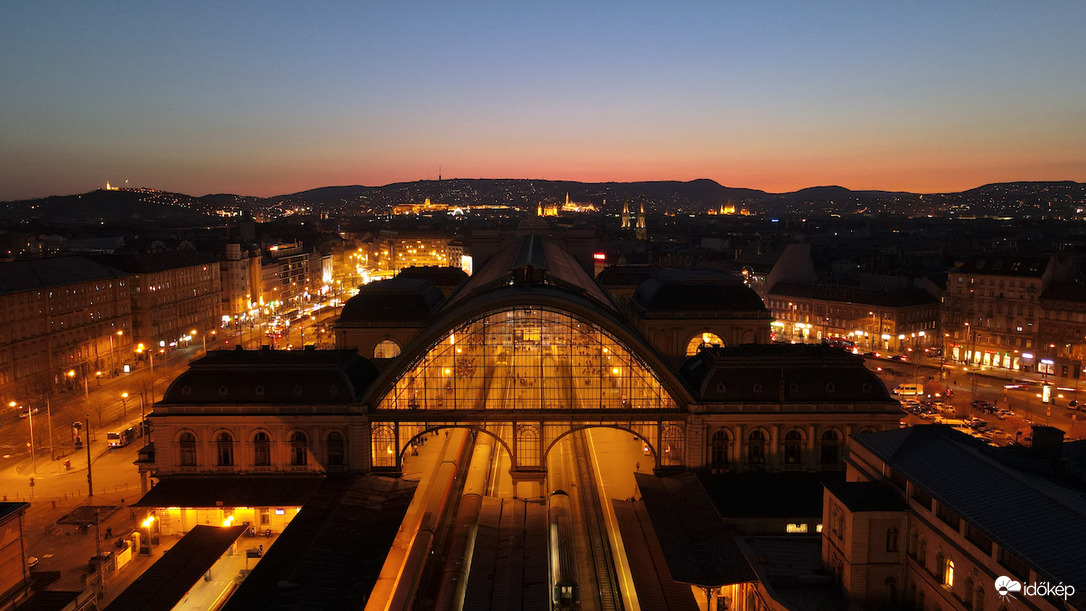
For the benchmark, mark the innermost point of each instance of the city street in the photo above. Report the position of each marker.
(989, 385)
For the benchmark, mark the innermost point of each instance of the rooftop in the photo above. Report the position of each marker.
(1030, 514)
(782, 373)
(689, 290)
(166, 582)
(19, 276)
(289, 377)
(699, 547)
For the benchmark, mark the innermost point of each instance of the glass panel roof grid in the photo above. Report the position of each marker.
(528, 358)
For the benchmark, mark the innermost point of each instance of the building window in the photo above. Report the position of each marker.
(978, 538)
(719, 448)
(299, 449)
(922, 497)
(386, 349)
(756, 443)
(831, 448)
(383, 442)
(529, 446)
(225, 449)
(673, 452)
(890, 586)
(948, 573)
(703, 340)
(261, 450)
(793, 447)
(188, 449)
(891, 539)
(967, 595)
(336, 449)
(948, 516)
(1016, 567)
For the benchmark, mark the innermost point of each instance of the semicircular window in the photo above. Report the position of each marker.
(297, 390)
(223, 390)
(186, 390)
(259, 390)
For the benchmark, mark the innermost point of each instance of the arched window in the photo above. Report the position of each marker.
(891, 539)
(299, 449)
(336, 449)
(793, 447)
(948, 573)
(224, 445)
(756, 443)
(913, 540)
(529, 446)
(673, 440)
(890, 586)
(967, 595)
(187, 443)
(386, 349)
(978, 599)
(383, 441)
(703, 340)
(831, 448)
(720, 447)
(940, 561)
(922, 552)
(261, 449)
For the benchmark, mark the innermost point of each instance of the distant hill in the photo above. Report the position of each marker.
(1033, 199)
(109, 207)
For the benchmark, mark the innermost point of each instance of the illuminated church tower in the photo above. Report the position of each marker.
(626, 215)
(642, 233)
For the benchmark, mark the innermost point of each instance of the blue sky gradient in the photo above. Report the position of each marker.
(269, 98)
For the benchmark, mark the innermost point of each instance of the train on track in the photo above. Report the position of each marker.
(565, 591)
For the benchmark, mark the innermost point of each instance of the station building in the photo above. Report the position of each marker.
(932, 518)
(527, 350)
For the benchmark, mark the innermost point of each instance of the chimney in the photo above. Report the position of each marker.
(1047, 441)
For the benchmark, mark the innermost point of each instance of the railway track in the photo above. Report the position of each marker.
(609, 595)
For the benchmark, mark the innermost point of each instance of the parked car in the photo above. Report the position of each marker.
(105, 559)
(1072, 404)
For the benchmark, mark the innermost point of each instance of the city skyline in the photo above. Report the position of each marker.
(215, 99)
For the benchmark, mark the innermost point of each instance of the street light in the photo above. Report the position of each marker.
(147, 524)
(112, 361)
(124, 403)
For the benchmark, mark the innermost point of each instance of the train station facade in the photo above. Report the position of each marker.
(527, 350)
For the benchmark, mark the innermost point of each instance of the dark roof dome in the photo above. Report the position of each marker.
(782, 373)
(273, 376)
(398, 299)
(689, 290)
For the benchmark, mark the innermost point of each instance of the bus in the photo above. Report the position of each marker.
(121, 439)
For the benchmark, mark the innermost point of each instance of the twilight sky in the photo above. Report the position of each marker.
(268, 98)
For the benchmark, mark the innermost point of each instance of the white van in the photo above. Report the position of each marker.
(909, 389)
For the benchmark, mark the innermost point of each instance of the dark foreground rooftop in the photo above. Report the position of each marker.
(699, 547)
(330, 555)
(164, 584)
